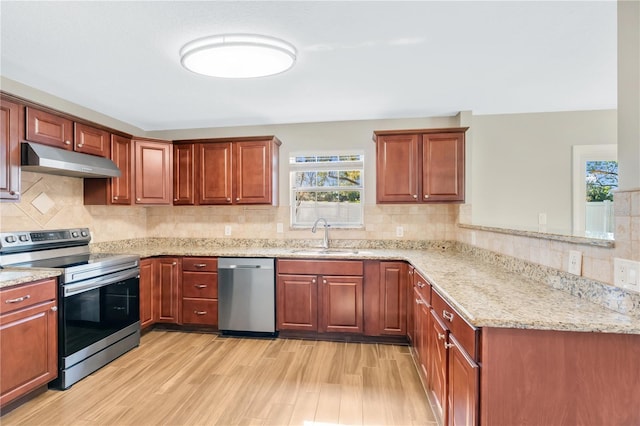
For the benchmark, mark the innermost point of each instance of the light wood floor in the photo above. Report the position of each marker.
(177, 378)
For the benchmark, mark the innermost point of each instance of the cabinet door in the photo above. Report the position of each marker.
(253, 172)
(184, 174)
(49, 129)
(33, 361)
(393, 300)
(297, 302)
(215, 173)
(121, 152)
(153, 172)
(443, 164)
(463, 386)
(90, 140)
(411, 306)
(146, 293)
(437, 335)
(10, 113)
(341, 304)
(398, 169)
(167, 289)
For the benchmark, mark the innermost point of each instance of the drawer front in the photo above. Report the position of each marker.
(464, 333)
(200, 311)
(423, 286)
(21, 296)
(200, 284)
(200, 264)
(321, 267)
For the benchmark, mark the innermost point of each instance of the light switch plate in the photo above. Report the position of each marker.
(279, 227)
(575, 262)
(227, 230)
(399, 231)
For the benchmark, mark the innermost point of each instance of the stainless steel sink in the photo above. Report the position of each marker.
(323, 251)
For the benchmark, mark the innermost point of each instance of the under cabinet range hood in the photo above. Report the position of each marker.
(47, 159)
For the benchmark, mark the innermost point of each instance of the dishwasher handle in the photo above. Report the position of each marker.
(243, 267)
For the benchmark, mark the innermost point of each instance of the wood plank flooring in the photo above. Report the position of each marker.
(176, 378)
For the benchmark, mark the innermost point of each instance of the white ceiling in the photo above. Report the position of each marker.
(357, 60)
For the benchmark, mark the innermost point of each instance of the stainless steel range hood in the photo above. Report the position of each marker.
(47, 159)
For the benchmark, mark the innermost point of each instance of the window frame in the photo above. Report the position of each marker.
(320, 167)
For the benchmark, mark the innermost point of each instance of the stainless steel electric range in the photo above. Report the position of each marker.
(98, 297)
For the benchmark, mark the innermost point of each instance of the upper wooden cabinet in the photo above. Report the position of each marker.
(55, 130)
(113, 191)
(11, 114)
(420, 166)
(226, 171)
(153, 171)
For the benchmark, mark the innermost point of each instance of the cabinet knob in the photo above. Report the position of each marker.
(324, 281)
(313, 280)
(174, 263)
(426, 195)
(138, 199)
(67, 142)
(175, 199)
(54, 308)
(14, 193)
(415, 196)
(238, 199)
(228, 200)
(115, 198)
(80, 145)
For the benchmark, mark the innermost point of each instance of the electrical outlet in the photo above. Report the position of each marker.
(626, 274)
(575, 262)
(279, 227)
(399, 231)
(227, 230)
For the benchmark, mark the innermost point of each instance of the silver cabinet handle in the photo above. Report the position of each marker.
(200, 265)
(410, 272)
(441, 336)
(421, 284)
(18, 299)
(447, 315)
(67, 142)
(448, 345)
(418, 302)
(200, 312)
(200, 286)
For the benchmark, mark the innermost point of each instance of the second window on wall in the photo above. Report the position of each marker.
(327, 185)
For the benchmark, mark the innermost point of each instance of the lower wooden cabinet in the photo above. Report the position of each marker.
(147, 293)
(28, 338)
(320, 296)
(200, 291)
(438, 367)
(393, 300)
(168, 290)
(463, 379)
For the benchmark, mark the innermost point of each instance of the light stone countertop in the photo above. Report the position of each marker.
(15, 276)
(485, 295)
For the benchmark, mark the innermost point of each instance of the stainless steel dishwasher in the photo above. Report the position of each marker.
(246, 296)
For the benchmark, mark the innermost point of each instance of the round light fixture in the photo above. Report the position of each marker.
(238, 56)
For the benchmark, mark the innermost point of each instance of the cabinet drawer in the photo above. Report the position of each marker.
(200, 311)
(464, 333)
(200, 284)
(203, 264)
(18, 297)
(321, 267)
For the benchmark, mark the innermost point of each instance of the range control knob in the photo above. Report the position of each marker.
(74, 234)
(84, 233)
(23, 238)
(10, 239)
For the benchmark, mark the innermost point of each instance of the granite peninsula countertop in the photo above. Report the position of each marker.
(15, 276)
(484, 294)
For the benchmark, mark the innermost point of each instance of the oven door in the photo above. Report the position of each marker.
(96, 311)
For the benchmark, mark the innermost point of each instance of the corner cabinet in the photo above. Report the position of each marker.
(226, 171)
(11, 130)
(28, 316)
(420, 166)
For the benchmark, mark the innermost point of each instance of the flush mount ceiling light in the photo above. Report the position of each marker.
(238, 56)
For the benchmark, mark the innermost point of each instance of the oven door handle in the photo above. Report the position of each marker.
(71, 289)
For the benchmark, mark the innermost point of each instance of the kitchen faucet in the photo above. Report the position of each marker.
(325, 241)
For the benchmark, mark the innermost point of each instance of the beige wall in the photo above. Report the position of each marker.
(522, 165)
